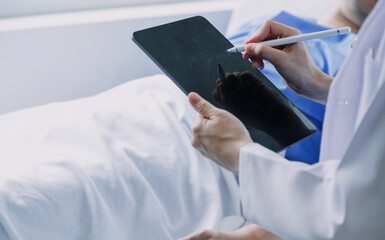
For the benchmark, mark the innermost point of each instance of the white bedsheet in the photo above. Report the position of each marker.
(118, 165)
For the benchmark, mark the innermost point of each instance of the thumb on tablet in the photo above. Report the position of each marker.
(200, 105)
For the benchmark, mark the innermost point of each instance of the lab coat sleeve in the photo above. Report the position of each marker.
(334, 199)
(292, 199)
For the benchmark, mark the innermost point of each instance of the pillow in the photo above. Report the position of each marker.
(249, 9)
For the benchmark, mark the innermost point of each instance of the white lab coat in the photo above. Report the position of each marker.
(343, 196)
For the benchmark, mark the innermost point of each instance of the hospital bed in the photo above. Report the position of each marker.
(92, 152)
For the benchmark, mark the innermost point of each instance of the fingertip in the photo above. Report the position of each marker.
(261, 65)
(191, 95)
(254, 39)
(258, 64)
(251, 40)
(193, 98)
(248, 48)
(196, 130)
(195, 143)
(253, 49)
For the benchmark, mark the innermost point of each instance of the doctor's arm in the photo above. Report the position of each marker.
(291, 199)
(267, 180)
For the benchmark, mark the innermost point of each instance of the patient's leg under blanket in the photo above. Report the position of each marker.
(118, 165)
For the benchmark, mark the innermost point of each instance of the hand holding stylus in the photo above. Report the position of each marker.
(292, 61)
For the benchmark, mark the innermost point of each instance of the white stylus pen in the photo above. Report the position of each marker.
(297, 38)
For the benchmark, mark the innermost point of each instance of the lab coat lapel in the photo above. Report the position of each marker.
(381, 56)
(341, 117)
(374, 64)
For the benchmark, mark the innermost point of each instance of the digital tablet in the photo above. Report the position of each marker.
(192, 53)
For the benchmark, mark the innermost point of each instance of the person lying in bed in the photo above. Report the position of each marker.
(328, 54)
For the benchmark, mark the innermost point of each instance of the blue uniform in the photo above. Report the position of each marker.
(327, 53)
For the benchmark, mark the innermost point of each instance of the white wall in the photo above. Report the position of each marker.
(16, 8)
(41, 65)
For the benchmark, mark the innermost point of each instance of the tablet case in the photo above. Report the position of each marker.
(189, 51)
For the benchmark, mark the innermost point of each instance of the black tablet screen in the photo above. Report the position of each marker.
(189, 52)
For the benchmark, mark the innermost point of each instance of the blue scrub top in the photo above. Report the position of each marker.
(327, 53)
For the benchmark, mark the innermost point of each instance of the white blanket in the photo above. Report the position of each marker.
(118, 165)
